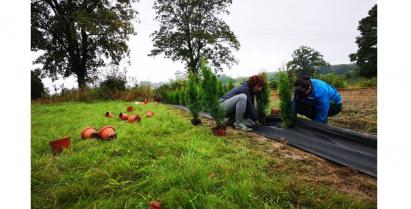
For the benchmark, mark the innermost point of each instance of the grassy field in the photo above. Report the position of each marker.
(165, 158)
(359, 110)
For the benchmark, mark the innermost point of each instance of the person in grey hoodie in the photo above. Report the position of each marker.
(240, 103)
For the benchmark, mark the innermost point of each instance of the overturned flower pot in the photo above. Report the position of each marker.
(149, 114)
(196, 121)
(88, 133)
(123, 116)
(57, 146)
(130, 109)
(107, 133)
(108, 114)
(155, 205)
(219, 131)
(134, 118)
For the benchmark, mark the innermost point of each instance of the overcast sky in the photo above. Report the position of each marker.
(268, 31)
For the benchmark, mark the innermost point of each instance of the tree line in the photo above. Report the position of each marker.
(79, 37)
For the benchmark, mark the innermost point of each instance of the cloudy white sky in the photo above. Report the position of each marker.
(268, 31)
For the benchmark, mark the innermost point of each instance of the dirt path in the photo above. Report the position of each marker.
(315, 169)
(359, 110)
(311, 169)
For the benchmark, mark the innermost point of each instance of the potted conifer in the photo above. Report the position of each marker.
(193, 98)
(210, 98)
(263, 101)
(285, 93)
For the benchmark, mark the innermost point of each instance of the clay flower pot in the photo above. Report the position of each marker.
(88, 133)
(57, 146)
(134, 118)
(219, 131)
(155, 205)
(130, 108)
(275, 111)
(149, 114)
(196, 121)
(107, 133)
(109, 114)
(123, 116)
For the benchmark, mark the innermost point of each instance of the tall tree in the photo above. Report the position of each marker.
(76, 36)
(366, 55)
(37, 87)
(305, 61)
(193, 28)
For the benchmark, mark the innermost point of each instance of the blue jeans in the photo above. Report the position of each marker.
(237, 105)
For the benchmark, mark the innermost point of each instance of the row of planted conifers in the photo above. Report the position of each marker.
(201, 93)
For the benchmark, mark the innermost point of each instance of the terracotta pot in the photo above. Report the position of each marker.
(57, 146)
(195, 121)
(123, 116)
(130, 108)
(134, 118)
(149, 114)
(107, 133)
(219, 131)
(275, 111)
(88, 133)
(109, 114)
(155, 205)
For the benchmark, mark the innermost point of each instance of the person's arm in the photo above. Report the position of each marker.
(294, 109)
(322, 108)
(250, 109)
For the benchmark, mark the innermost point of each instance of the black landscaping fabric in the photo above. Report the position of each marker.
(343, 146)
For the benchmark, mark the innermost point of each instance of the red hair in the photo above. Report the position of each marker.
(256, 80)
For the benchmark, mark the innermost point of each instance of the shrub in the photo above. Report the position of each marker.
(111, 86)
(285, 93)
(263, 100)
(192, 96)
(220, 88)
(366, 83)
(335, 80)
(210, 94)
(230, 85)
(273, 83)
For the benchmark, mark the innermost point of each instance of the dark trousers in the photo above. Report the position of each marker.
(310, 111)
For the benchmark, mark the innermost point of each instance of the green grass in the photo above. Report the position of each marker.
(162, 158)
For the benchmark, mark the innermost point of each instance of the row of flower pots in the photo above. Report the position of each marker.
(105, 133)
(131, 118)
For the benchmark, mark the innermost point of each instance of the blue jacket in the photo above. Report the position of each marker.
(245, 88)
(321, 96)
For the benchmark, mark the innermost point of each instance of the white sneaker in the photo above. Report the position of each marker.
(242, 127)
(248, 122)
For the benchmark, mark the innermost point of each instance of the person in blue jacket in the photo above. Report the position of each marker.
(315, 99)
(239, 103)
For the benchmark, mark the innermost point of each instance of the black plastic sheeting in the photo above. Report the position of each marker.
(343, 146)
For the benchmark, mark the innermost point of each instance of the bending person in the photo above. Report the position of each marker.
(315, 99)
(239, 102)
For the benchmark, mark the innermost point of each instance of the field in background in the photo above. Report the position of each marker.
(359, 110)
(165, 158)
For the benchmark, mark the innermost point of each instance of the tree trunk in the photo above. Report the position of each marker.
(81, 79)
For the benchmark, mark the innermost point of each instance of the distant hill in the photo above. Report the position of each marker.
(341, 69)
